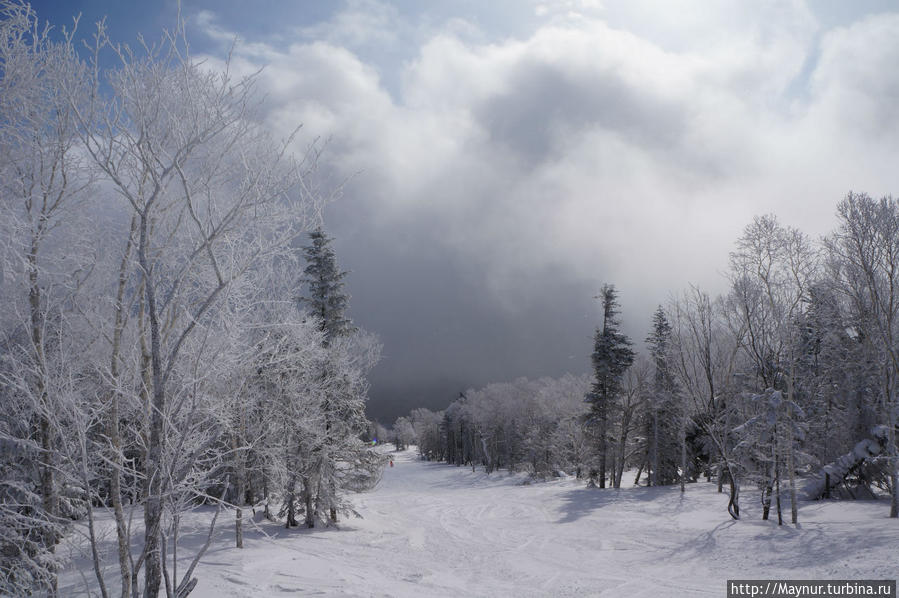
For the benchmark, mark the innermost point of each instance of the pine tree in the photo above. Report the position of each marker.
(611, 357)
(662, 419)
(324, 279)
(343, 407)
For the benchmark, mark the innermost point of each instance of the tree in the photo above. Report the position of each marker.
(763, 438)
(866, 246)
(427, 430)
(42, 182)
(211, 196)
(611, 357)
(707, 354)
(635, 391)
(327, 302)
(137, 365)
(403, 433)
(771, 270)
(663, 412)
(324, 280)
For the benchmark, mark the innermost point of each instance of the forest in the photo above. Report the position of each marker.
(166, 337)
(785, 384)
(174, 334)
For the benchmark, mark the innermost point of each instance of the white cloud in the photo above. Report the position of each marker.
(625, 144)
(362, 23)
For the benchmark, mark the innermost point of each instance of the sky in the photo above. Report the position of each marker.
(499, 161)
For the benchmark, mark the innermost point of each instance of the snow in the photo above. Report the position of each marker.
(430, 529)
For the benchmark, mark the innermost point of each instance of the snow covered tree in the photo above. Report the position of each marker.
(211, 196)
(343, 408)
(663, 412)
(43, 184)
(611, 357)
(133, 362)
(403, 433)
(866, 247)
(631, 446)
(763, 439)
(771, 270)
(344, 462)
(427, 430)
(706, 356)
(326, 298)
(836, 375)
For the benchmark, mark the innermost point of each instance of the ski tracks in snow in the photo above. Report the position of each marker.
(430, 529)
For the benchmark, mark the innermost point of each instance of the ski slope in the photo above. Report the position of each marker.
(430, 529)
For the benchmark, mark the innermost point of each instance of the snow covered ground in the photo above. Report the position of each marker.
(430, 529)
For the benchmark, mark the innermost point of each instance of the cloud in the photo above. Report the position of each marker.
(361, 23)
(856, 84)
(502, 143)
(628, 143)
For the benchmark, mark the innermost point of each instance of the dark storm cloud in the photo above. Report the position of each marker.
(443, 331)
(543, 103)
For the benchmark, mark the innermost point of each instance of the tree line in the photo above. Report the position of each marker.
(785, 383)
(165, 338)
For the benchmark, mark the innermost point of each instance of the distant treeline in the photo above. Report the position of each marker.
(787, 382)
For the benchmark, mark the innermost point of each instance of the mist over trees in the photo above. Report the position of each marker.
(153, 355)
(784, 385)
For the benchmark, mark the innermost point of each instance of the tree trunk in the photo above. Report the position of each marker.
(290, 493)
(622, 447)
(291, 503)
(683, 447)
(766, 499)
(780, 517)
(733, 504)
(49, 496)
(794, 507)
(240, 486)
(602, 454)
(894, 482)
(308, 501)
(154, 465)
(266, 510)
(655, 447)
(113, 426)
(613, 469)
(894, 456)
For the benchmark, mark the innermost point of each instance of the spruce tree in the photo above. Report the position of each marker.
(612, 355)
(327, 299)
(662, 417)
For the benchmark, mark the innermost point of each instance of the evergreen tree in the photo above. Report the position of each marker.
(342, 407)
(612, 355)
(327, 299)
(663, 418)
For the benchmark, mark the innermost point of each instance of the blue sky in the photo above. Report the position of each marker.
(506, 158)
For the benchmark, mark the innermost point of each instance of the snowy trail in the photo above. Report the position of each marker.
(434, 530)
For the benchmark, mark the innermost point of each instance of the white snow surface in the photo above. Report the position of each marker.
(430, 529)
